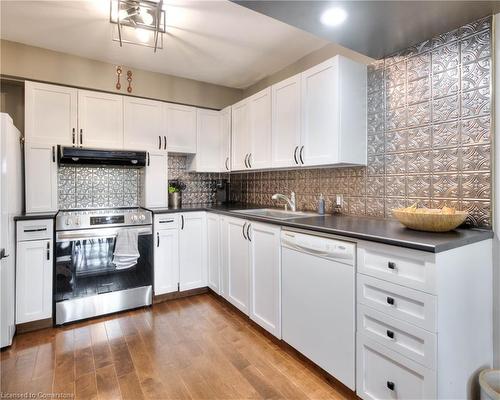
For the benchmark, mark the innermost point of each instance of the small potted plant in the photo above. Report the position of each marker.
(175, 189)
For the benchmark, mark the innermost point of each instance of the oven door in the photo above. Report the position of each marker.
(85, 263)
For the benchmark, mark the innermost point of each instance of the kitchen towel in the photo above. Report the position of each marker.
(126, 250)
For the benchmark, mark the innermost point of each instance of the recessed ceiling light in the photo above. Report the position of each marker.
(333, 16)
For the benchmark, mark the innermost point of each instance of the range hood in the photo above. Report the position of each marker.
(76, 155)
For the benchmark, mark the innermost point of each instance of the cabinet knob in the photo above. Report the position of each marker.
(391, 265)
(390, 385)
(390, 334)
(390, 300)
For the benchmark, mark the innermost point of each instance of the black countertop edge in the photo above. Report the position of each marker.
(362, 228)
(31, 217)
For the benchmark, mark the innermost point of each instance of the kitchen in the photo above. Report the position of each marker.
(180, 223)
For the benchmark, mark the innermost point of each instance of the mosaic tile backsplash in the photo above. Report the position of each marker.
(429, 136)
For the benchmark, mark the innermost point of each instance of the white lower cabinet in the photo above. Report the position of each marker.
(265, 276)
(422, 331)
(166, 254)
(236, 255)
(156, 179)
(213, 252)
(251, 265)
(34, 265)
(385, 374)
(192, 250)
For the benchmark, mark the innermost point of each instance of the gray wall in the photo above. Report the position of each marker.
(28, 62)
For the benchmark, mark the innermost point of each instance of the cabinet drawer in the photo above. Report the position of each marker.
(415, 343)
(409, 305)
(166, 221)
(35, 229)
(385, 374)
(411, 268)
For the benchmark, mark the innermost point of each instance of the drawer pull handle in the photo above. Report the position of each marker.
(391, 265)
(390, 334)
(35, 230)
(390, 385)
(390, 300)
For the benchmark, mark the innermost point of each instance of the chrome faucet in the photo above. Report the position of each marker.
(290, 201)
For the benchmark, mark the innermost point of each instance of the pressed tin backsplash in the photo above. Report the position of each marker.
(109, 187)
(429, 136)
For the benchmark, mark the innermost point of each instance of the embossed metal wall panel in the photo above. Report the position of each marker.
(429, 136)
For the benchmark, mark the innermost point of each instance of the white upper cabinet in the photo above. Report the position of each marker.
(51, 115)
(156, 179)
(144, 125)
(286, 111)
(181, 128)
(225, 140)
(100, 120)
(333, 97)
(41, 176)
(260, 130)
(209, 147)
(240, 135)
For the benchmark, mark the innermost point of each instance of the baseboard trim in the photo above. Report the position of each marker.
(34, 325)
(179, 295)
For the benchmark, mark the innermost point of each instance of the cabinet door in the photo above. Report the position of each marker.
(240, 135)
(156, 180)
(238, 261)
(225, 140)
(100, 120)
(143, 124)
(41, 177)
(50, 113)
(265, 277)
(208, 127)
(193, 251)
(33, 281)
(260, 130)
(181, 128)
(213, 252)
(166, 267)
(286, 122)
(320, 115)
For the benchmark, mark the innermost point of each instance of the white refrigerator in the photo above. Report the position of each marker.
(11, 198)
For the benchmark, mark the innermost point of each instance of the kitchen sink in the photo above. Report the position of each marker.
(275, 213)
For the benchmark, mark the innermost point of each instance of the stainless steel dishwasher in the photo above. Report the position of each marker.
(318, 301)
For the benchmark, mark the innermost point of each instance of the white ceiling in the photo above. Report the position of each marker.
(213, 40)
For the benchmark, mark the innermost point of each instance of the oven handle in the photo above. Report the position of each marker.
(97, 233)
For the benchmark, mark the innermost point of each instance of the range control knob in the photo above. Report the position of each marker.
(142, 217)
(134, 218)
(68, 221)
(77, 221)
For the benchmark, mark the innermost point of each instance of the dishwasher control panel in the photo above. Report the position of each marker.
(320, 246)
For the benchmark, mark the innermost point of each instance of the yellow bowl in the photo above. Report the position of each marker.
(430, 220)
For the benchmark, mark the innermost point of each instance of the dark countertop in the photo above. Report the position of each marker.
(363, 228)
(30, 217)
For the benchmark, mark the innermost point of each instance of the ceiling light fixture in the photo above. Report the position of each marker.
(140, 22)
(333, 16)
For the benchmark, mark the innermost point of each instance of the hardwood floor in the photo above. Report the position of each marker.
(192, 348)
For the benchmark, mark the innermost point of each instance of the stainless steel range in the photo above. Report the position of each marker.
(97, 274)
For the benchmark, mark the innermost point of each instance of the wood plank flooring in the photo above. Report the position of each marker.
(192, 348)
